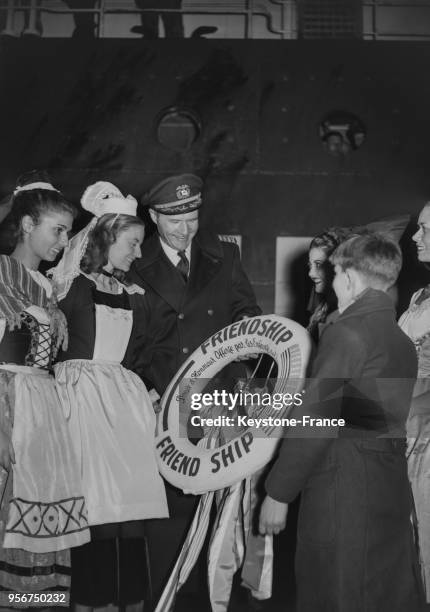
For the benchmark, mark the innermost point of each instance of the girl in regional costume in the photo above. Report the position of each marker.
(416, 323)
(110, 413)
(43, 511)
(323, 299)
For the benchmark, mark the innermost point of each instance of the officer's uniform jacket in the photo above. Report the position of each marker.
(180, 316)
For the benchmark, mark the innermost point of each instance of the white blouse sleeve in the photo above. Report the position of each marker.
(39, 314)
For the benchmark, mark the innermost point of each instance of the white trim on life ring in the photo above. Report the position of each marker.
(196, 469)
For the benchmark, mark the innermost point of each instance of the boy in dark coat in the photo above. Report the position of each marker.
(355, 549)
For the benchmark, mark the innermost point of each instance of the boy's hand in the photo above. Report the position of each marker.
(273, 516)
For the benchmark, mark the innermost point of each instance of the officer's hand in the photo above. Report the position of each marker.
(156, 406)
(155, 400)
(273, 516)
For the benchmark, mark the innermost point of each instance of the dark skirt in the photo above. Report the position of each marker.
(113, 567)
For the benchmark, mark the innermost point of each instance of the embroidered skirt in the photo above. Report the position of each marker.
(112, 425)
(46, 511)
(42, 512)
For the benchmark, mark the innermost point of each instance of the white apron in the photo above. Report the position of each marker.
(112, 425)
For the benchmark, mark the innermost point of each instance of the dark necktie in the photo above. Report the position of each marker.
(183, 265)
(108, 274)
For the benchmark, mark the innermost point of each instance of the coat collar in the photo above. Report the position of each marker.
(157, 272)
(369, 301)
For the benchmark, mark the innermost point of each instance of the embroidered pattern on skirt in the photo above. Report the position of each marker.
(40, 520)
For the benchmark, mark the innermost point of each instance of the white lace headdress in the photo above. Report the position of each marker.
(100, 199)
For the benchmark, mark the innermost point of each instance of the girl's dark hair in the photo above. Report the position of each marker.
(105, 233)
(321, 305)
(330, 239)
(31, 202)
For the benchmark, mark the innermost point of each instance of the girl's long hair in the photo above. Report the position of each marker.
(105, 233)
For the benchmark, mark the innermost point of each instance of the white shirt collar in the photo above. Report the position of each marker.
(172, 254)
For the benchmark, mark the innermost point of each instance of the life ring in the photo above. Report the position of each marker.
(196, 469)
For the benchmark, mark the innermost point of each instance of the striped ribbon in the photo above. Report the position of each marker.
(232, 545)
(257, 569)
(192, 546)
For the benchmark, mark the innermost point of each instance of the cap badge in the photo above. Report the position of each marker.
(182, 192)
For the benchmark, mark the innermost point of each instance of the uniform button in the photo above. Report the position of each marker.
(185, 350)
(210, 312)
(181, 316)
